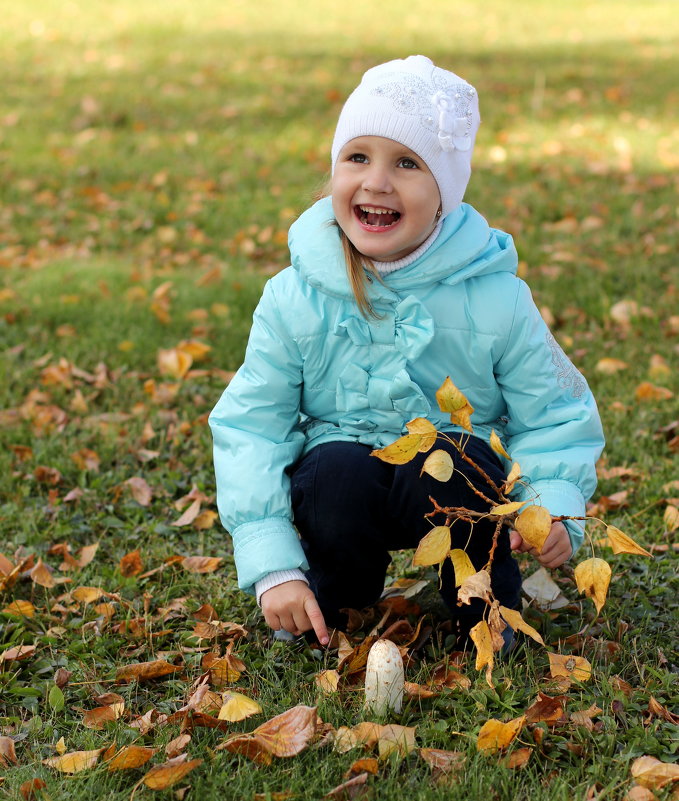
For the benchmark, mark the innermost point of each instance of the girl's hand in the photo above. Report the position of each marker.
(556, 550)
(292, 606)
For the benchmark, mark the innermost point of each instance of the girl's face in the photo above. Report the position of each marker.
(384, 197)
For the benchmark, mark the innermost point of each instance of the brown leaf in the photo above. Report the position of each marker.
(86, 459)
(652, 773)
(547, 709)
(496, 735)
(288, 734)
(99, 717)
(87, 595)
(175, 747)
(16, 653)
(445, 676)
(365, 765)
(433, 547)
(639, 793)
(143, 671)
(131, 756)
(570, 667)
(61, 677)
(592, 578)
(160, 777)
(20, 609)
(30, 788)
(201, 564)
(476, 586)
(74, 762)
(659, 711)
(395, 739)
(41, 575)
(131, 564)
(189, 515)
(652, 392)
(419, 690)
(583, 717)
(350, 789)
(518, 758)
(443, 761)
(7, 752)
(205, 520)
(248, 746)
(140, 490)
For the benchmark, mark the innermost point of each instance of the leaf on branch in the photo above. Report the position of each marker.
(569, 667)
(516, 621)
(403, 450)
(592, 578)
(426, 429)
(439, 465)
(507, 508)
(237, 706)
(534, 525)
(483, 640)
(433, 547)
(288, 734)
(462, 565)
(451, 399)
(476, 586)
(497, 446)
(512, 477)
(74, 762)
(496, 735)
(621, 543)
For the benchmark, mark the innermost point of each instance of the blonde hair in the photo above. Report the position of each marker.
(361, 269)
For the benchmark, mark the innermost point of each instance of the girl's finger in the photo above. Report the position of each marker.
(313, 611)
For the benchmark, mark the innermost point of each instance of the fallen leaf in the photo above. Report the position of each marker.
(439, 465)
(462, 565)
(327, 681)
(518, 758)
(639, 793)
(20, 609)
(583, 717)
(236, 706)
(403, 450)
(592, 578)
(547, 709)
(16, 653)
(140, 490)
(288, 734)
(248, 746)
(497, 446)
(621, 543)
(671, 518)
(445, 676)
(74, 762)
(30, 788)
(87, 595)
(131, 564)
(451, 399)
(160, 777)
(350, 789)
(652, 392)
(131, 756)
(143, 671)
(443, 761)
(201, 564)
(516, 621)
(365, 765)
(205, 520)
(609, 366)
(415, 690)
(174, 363)
(543, 590)
(659, 711)
(99, 717)
(189, 515)
(177, 746)
(496, 735)
(41, 575)
(534, 525)
(7, 752)
(395, 739)
(570, 667)
(652, 773)
(433, 547)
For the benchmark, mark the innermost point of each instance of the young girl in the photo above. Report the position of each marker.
(394, 285)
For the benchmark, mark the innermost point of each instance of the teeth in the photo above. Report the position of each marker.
(371, 210)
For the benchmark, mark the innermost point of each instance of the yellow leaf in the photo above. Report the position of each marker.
(451, 399)
(237, 706)
(439, 465)
(483, 640)
(671, 517)
(516, 621)
(174, 362)
(160, 777)
(462, 565)
(41, 575)
(497, 446)
(534, 525)
(496, 735)
(652, 773)
(206, 519)
(74, 762)
(570, 667)
(592, 578)
(507, 508)
(288, 734)
(20, 609)
(427, 430)
(131, 756)
(327, 681)
(142, 671)
(621, 543)
(61, 746)
(87, 595)
(433, 547)
(609, 366)
(395, 739)
(512, 477)
(403, 450)
(195, 349)
(652, 392)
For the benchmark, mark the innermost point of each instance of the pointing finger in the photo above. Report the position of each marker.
(316, 619)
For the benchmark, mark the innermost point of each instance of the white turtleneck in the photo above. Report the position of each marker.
(386, 267)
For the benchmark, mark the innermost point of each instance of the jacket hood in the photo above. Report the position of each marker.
(466, 246)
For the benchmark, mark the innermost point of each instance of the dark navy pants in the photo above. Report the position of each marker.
(351, 509)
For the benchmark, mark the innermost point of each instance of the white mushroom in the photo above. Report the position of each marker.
(384, 678)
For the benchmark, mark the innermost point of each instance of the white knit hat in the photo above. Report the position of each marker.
(432, 111)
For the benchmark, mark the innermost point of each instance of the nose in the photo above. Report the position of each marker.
(377, 179)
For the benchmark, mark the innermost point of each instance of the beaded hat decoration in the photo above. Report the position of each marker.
(430, 110)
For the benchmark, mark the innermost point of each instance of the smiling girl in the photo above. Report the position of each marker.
(394, 284)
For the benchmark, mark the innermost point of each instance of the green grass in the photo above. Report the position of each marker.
(145, 143)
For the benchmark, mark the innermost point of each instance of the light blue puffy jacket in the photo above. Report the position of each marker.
(315, 371)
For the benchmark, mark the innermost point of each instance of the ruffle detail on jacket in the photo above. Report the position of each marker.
(377, 393)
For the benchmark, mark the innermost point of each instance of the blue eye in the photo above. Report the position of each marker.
(409, 164)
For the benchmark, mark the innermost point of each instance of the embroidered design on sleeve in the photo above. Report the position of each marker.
(566, 374)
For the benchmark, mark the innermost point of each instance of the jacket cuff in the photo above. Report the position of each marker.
(266, 546)
(560, 498)
(276, 578)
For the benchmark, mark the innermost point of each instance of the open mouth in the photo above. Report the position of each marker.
(376, 217)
